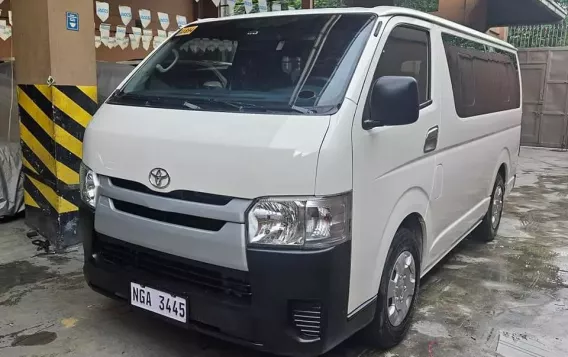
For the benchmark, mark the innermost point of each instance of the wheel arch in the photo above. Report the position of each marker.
(502, 168)
(411, 211)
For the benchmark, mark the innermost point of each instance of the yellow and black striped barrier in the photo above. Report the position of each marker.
(52, 123)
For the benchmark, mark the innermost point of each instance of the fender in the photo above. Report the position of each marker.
(414, 200)
(504, 158)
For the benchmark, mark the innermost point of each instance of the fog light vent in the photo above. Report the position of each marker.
(306, 317)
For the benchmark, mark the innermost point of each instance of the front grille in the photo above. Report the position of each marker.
(306, 317)
(183, 195)
(207, 224)
(172, 268)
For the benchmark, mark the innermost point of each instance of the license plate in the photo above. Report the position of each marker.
(159, 302)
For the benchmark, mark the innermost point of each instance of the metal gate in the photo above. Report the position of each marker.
(544, 74)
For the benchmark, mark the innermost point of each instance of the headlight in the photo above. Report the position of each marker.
(308, 222)
(89, 185)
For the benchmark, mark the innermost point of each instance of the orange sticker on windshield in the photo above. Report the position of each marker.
(186, 31)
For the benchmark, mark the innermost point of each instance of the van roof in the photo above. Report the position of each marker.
(380, 11)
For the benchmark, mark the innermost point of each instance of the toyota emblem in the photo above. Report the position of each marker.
(159, 178)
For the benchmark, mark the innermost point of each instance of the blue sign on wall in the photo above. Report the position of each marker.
(72, 21)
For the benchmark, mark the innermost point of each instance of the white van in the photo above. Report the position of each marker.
(283, 180)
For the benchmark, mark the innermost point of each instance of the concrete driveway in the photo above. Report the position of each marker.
(507, 298)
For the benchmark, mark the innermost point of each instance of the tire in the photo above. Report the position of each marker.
(382, 332)
(487, 229)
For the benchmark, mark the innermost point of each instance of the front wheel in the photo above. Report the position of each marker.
(487, 229)
(397, 293)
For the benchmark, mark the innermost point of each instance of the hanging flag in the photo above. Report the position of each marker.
(120, 31)
(171, 33)
(276, 6)
(262, 6)
(97, 41)
(162, 34)
(181, 20)
(248, 6)
(125, 14)
(105, 34)
(10, 17)
(102, 10)
(231, 4)
(134, 41)
(216, 2)
(4, 34)
(112, 42)
(146, 39)
(123, 43)
(164, 20)
(137, 32)
(145, 17)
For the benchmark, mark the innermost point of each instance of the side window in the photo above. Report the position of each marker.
(484, 79)
(407, 53)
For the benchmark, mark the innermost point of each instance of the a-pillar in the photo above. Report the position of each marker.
(56, 76)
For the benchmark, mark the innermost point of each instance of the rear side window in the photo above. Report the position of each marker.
(407, 53)
(484, 79)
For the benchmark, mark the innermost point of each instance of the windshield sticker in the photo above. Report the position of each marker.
(186, 31)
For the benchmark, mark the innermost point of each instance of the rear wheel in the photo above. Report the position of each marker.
(487, 229)
(397, 293)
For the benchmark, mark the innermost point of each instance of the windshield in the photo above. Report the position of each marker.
(298, 64)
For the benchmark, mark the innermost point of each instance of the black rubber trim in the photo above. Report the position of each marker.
(183, 195)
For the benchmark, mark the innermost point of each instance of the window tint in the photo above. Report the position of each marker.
(407, 53)
(484, 79)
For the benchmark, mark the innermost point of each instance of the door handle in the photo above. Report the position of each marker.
(431, 139)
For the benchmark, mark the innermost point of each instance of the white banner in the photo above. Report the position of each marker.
(123, 43)
(262, 6)
(181, 20)
(248, 6)
(216, 2)
(10, 17)
(276, 6)
(120, 32)
(111, 42)
(162, 34)
(145, 17)
(125, 14)
(171, 33)
(102, 10)
(134, 41)
(105, 34)
(97, 41)
(164, 20)
(147, 39)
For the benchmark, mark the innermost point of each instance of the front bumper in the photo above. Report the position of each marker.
(261, 308)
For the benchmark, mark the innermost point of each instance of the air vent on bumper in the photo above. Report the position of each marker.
(306, 319)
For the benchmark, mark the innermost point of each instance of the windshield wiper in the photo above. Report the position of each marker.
(191, 106)
(302, 110)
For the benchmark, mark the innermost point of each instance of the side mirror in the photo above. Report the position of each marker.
(393, 101)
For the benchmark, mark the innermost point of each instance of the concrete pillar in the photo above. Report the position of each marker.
(56, 77)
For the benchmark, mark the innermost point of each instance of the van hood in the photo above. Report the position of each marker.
(233, 154)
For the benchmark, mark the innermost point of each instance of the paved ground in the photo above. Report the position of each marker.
(483, 300)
